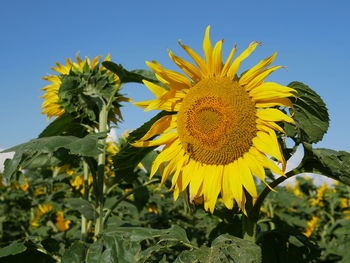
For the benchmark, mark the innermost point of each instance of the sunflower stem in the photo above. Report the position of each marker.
(249, 228)
(85, 197)
(101, 172)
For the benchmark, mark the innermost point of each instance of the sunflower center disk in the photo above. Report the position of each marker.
(216, 122)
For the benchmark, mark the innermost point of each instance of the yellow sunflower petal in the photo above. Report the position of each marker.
(268, 144)
(156, 90)
(228, 62)
(196, 58)
(273, 115)
(191, 70)
(166, 138)
(216, 64)
(259, 79)
(237, 62)
(226, 188)
(247, 178)
(175, 79)
(252, 73)
(208, 50)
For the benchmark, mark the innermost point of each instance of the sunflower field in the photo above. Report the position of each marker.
(201, 181)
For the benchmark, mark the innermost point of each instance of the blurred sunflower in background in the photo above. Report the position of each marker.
(222, 127)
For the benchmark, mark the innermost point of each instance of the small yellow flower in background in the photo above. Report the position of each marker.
(61, 224)
(40, 191)
(39, 213)
(311, 226)
(78, 183)
(344, 204)
(24, 187)
(295, 189)
(152, 208)
(319, 195)
(223, 126)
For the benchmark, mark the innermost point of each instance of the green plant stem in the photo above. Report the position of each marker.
(85, 197)
(249, 228)
(119, 200)
(256, 208)
(101, 172)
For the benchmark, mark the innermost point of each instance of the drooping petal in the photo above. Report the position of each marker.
(165, 138)
(197, 59)
(191, 70)
(155, 89)
(273, 115)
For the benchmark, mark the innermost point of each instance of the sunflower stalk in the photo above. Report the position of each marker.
(101, 171)
(249, 220)
(86, 197)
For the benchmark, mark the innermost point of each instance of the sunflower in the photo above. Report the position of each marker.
(51, 105)
(221, 128)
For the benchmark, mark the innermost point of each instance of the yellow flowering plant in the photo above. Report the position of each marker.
(200, 179)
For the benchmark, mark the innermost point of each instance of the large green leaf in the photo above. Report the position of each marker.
(126, 76)
(129, 156)
(287, 247)
(75, 254)
(94, 253)
(46, 151)
(331, 163)
(64, 124)
(124, 243)
(12, 249)
(225, 249)
(83, 206)
(311, 114)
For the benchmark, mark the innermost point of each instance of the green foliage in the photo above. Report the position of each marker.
(129, 156)
(334, 164)
(69, 196)
(311, 114)
(12, 249)
(126, 76)
(47, 152)
(225, 249)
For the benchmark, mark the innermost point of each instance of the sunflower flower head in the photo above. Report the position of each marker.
(319, 195)
(222, 126)
(61, 224)
(75, 88)
(311, 226)
(39, 213)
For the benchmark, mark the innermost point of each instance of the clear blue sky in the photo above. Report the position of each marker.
(312, 39)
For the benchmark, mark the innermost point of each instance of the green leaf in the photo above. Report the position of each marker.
(126, 76)
(119, 249)
(83, 206)
(75, 254)
(224, 249)
(46, 151)
(94, 252)
(64, 124)
(311, 114)
(121, 240)
(12, 249)
(287, 245)
(331, 163)
(129, 156)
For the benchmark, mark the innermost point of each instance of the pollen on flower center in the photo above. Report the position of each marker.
(217, 121)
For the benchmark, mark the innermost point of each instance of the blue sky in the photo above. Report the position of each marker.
(312, 39)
